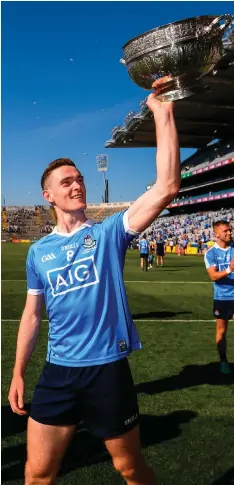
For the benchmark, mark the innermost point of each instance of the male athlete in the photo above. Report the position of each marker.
(160, 250)
(144, 252)
(78, 271)
(219, 261)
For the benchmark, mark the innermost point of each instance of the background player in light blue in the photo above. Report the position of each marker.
(78, 271)
(219, 261)
(144, 252)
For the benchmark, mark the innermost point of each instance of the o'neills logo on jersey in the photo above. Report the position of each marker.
(74, 276)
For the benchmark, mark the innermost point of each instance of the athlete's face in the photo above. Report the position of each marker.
(224, 233)
(65, 189)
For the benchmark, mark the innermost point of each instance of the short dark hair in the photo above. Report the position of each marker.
(59, 162)
(220, 222)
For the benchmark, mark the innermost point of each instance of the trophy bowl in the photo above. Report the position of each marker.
(173, 59)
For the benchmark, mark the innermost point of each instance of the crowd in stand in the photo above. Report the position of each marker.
(14, 229)
(46, 229)
(182, 229)
(192, 228)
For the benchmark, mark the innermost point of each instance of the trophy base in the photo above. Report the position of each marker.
(177, 88)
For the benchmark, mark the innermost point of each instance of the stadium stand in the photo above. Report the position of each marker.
(215, 152)
(209, 183)
(35, 222)
(206, 186)
(193, 226)
(206, 194)
(38, 216)
(4, 219)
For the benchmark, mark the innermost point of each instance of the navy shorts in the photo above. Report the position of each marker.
(160, 252)
(224, 309)
(103, 396)
(144, 255)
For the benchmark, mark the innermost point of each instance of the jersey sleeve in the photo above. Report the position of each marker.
(34, 283)
(210, 259)
(118, 229)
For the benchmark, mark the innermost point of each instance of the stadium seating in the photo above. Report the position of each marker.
(212, 154)
(194, 197)
(20, 222)
(35, 222)
(4, 220)
(193, 226)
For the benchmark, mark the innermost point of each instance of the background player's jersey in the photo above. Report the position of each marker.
(159, 244)
(81, 276)
(144, 246)
(221, 258)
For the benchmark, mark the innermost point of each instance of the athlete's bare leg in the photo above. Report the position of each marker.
(221, 340)
(142, 264)
(128, 459)
(46, 446)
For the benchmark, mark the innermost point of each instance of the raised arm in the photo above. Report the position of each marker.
(27, 336)
(149, 205)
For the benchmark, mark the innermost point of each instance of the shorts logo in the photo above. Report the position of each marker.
(89, 243)
(73, 276)
(48, 257)
(217, 312)
(130, 420)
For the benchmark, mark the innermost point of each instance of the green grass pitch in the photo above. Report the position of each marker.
(186, 407)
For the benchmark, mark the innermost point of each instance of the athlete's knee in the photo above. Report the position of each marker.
(131, 468)
(125, 466)
(35, 474)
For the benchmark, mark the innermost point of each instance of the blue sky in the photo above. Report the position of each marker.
(63, 90)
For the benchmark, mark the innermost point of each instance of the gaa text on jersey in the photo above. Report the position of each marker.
(48, 257)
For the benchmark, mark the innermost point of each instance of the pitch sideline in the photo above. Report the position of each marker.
(136, 320)
(148, 281)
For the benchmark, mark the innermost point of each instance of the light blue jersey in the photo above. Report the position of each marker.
(221, 258)
(81, 276)
(144, 246)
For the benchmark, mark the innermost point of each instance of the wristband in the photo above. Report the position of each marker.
(228, 270)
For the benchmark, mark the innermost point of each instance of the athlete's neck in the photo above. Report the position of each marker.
(223, 244)
(67, 222)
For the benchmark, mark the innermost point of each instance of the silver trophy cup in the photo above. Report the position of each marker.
(174, 58)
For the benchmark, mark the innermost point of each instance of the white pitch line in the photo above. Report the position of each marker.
(16, 320)
(152, 282)
(137, 320)
(170, 320)
(170, 282)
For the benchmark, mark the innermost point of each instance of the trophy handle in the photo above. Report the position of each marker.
(122, 61)
(228, 18)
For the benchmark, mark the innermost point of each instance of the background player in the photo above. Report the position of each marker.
(144, 252)
(160, 250)
(219, 261)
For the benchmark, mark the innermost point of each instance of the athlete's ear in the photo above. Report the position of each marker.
(47, 196)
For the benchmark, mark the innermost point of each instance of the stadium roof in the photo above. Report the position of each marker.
(205, 116)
